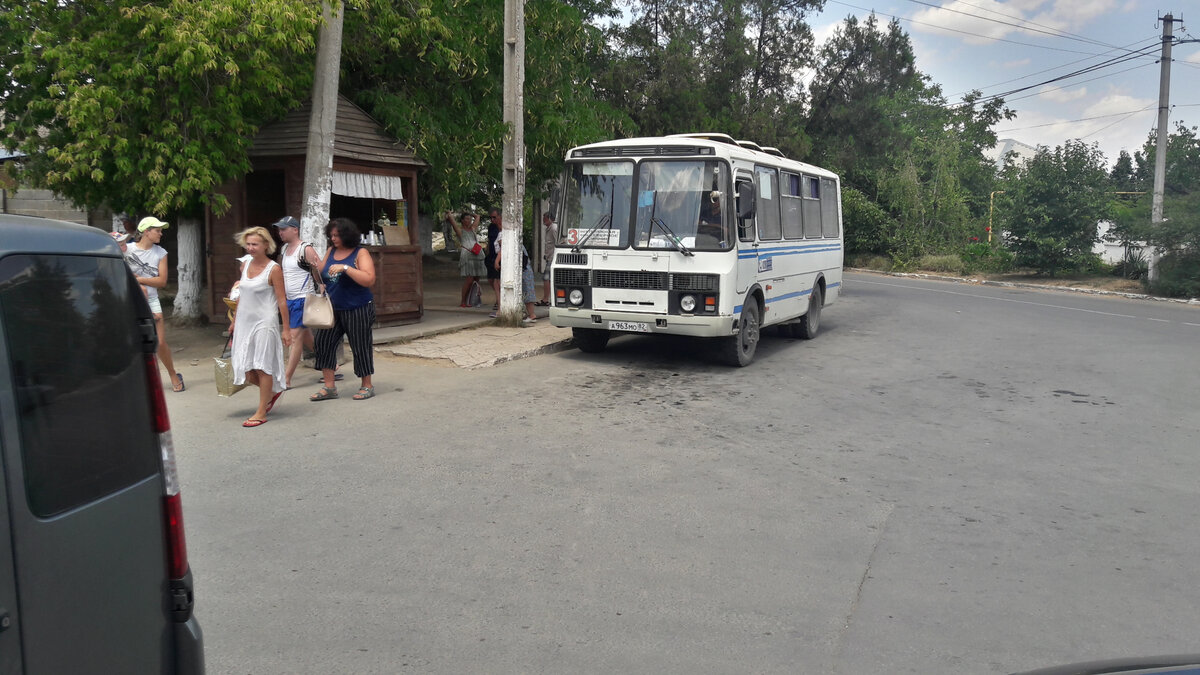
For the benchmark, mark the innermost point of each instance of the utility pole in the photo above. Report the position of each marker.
(511, 266)
(318, 162)
(1160, 151)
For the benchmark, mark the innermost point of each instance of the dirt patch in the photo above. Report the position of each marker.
(1099, 282)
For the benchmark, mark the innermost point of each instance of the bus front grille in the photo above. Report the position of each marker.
(694, 282)
(569, 277)
(571, 259)
(644, 281)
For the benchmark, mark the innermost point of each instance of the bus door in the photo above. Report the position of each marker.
(747, 245)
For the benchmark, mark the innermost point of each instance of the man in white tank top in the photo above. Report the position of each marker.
(296, 282)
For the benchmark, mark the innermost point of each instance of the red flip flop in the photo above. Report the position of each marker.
(253, 423)
(271, 403)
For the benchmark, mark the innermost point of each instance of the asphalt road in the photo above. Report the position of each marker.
(949, 479)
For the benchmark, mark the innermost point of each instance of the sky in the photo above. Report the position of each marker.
(1020, 43)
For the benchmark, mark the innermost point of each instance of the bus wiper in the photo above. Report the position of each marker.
(671, 236)
(604, 220)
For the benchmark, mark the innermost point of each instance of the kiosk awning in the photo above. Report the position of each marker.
(367, 186)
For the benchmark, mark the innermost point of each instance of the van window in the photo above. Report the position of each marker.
(76, 368)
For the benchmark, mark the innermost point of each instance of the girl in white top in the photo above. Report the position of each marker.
(257, 343)
(297, 282)
(148, 261)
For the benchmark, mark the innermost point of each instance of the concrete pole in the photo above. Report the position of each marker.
(1164, 132)
(511, 306)
(318, 163)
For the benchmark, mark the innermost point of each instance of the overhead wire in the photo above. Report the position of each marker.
(1051, 33)
(961, 32)
(1098, 77)
(1034, 23)
(1082, 119)
(1071, 63)
(1082, 71)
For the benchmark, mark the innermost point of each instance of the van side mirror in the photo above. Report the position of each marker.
(745, 200)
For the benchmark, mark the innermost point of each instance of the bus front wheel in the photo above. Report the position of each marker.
(738, 350)
(590, 340)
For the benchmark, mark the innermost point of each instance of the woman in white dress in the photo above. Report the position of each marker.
(257, 343)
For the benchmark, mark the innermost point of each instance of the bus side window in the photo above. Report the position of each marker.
(745, 209)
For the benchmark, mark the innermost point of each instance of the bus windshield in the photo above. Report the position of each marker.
(682, 205)
(598, 199)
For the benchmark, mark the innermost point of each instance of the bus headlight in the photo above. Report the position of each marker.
(575, 297)
(687, 303)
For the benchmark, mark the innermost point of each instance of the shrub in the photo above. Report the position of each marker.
(1178, 276)
(865, 224)
(983, 257)
(948, 264)
(868, 261)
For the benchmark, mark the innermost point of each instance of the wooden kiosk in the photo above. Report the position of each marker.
(373, 176)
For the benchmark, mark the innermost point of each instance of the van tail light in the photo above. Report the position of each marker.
(177, 563)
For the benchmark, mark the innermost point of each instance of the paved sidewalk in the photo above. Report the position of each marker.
(468, 338)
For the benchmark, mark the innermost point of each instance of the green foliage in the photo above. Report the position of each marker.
(432, 72)
(1052, 206)
(866, 225)
(1178, 275)
(882, 125)
(984, 257)
(946, 264)
(148, 106)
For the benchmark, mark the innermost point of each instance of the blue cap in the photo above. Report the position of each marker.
(287, 221)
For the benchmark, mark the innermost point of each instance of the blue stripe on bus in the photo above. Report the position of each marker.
(788, 296)
(761, 253)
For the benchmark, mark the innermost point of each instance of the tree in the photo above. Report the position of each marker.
(431, 72)
(1053, 204)
(147, 107)
(1178, 236)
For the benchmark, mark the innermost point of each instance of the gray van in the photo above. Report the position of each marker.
(93, 568)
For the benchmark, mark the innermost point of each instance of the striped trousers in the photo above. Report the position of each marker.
(355, 324)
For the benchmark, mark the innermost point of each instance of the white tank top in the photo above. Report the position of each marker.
(296, 282)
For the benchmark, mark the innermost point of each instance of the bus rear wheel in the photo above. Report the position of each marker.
(738, 350)
(590, 340)
(810, 323)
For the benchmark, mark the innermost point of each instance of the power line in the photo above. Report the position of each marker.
(1082, 119)
(1051, 33)
(1082, 71)
(961, 32)
(1034, 23)
(1023, 77)
(1098, 77)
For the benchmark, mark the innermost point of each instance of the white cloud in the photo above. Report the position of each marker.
(1072, 15)
(1021, 63)
(990, 20)
(1194, 57)
(1063, 94)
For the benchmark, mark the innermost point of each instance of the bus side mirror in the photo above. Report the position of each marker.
(745, 200)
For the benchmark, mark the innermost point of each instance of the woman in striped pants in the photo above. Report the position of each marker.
(349, 273)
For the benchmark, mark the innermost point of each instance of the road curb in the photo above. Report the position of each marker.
(1018, 284)
(559, 346)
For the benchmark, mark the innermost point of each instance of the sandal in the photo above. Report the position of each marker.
(250, 423)
(271, 403)
(181, 386)
(325, 394)
(364, 393)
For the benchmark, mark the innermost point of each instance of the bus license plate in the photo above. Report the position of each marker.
(629, 326)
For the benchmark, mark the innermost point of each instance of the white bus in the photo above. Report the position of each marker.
(694, 234)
